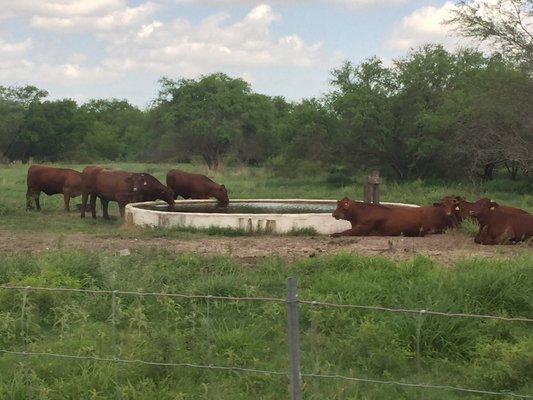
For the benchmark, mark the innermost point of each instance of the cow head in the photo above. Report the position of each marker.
(482, 208)
(343, 206)
(221, 194)
(151, 189)
(456, 205)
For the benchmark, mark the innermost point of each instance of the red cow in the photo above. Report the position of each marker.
(498, 226)
(378, 220)
(195, 186)
(122, 187)
(52, 181)
(462, 208)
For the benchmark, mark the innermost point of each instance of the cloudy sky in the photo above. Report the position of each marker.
(119, 48)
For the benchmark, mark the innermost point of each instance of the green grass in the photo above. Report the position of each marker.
(242, 183)
(490, 355)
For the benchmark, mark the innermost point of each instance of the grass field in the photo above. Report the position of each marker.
(242, 183)
(471, 353)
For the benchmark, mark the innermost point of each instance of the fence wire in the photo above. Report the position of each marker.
(314, 375)
(275, 300)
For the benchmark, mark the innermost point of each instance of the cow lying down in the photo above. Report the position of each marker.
(498, 225)
(378, 220)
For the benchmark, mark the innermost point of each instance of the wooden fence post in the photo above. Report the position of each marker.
(371, 188)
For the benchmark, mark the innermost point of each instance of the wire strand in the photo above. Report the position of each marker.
(419, 385)
(277, 300)
(267, 372)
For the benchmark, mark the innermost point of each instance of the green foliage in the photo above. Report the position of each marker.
(467, 352)
(432, 114)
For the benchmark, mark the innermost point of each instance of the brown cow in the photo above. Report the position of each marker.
(499, 226)
(378, 220)
(52, 181)
(122, 187)
(462, 208)
(195, 186)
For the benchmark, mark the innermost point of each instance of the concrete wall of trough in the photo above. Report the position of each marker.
(277, 223)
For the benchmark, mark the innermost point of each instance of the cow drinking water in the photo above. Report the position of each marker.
(195, 186)
(122, 187)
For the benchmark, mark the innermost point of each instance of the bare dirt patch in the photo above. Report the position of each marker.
(445, 249)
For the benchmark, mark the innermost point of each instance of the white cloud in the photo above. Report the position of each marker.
(78, 15)
(424, 25)
(13, 57)
(135, 43)
(179, 47)
(353, 4)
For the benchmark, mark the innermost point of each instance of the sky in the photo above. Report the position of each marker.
(83, 49)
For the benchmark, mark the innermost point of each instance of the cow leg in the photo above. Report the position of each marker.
(37, 202)
(357, 230)
(84, 198)
(122, 209)
(66, 200)
(92, 202)
(105, 208)
(29, 195)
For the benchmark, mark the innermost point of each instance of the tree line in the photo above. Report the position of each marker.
(433, 113)
(430, 114)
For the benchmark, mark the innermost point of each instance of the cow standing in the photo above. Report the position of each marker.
(52, 181)
(122, 187)
(195, 186)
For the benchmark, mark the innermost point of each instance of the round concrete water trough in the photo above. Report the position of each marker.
(271, 215)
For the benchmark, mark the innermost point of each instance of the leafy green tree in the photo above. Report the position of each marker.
(14, 105)
(506, 24)
(55, 129)
(117, 130)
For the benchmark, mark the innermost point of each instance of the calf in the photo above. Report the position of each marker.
(195, 186)
(498, 226)
(378, 220)
(52, 181)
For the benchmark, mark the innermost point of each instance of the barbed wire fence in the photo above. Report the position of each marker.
(294, 373)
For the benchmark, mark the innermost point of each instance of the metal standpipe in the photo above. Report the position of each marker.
(293, 323)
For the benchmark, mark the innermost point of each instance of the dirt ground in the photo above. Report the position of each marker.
(446, 249)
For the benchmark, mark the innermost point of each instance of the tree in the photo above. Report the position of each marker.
(212, 116)
(507, 24)
(117, 130)
(14, 105)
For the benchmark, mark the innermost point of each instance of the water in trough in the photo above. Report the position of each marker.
(249, 207)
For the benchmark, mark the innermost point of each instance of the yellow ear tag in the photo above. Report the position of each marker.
(457, 208)
(492, 208)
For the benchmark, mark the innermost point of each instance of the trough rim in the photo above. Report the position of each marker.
(135, 206)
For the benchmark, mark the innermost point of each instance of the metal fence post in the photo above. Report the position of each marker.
(24, 335)
(115, 347)
(294, 339)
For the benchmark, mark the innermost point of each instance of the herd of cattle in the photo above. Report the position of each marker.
(498, 224)
(119, 186)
